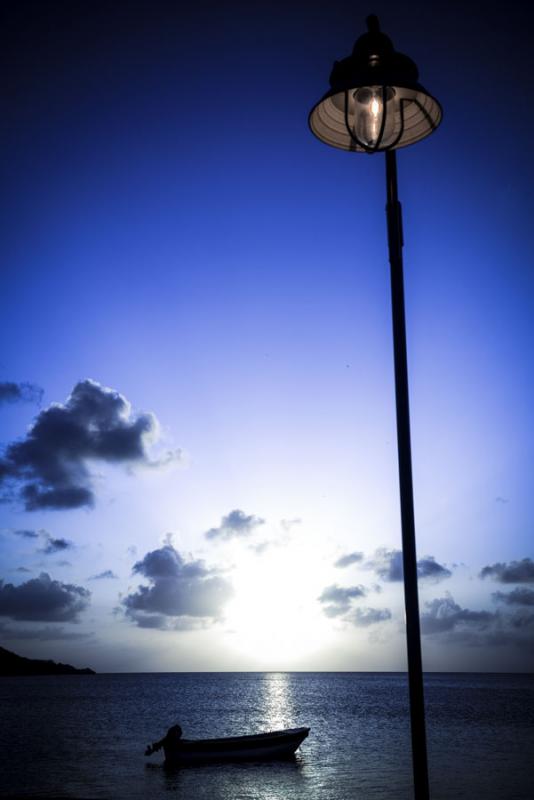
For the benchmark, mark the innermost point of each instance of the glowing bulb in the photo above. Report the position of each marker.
(366, 116)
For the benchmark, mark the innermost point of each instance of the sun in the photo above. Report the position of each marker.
(274, 617)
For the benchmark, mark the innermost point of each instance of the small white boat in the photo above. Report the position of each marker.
(258, 747)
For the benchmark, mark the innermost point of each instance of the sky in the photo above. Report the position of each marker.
(198, 466)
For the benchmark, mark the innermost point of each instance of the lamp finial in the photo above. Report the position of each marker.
(373, 25)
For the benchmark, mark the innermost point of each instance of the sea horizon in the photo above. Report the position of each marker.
(304, 672)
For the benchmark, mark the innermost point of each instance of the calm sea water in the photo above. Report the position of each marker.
(84, 736)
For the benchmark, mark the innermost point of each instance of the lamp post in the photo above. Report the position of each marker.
(376, 104)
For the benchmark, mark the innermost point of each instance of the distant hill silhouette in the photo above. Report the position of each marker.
(12, 664)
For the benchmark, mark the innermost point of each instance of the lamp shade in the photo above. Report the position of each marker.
(375, 101)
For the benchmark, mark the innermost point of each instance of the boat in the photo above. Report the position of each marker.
(257, 747)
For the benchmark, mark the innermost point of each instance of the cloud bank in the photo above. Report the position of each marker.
(448, 622)
(45, 634)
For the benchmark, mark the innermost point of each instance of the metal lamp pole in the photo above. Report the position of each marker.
(409, 559)
(376, 104)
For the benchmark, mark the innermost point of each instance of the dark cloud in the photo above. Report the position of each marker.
(444, 614)
(107, 574)
(363, 617)
(20, 393)
(448, 622)
(43, 599)
(22, 569)
(387, 564)
(49, 466)
(347, 560)
(51, 546)
(428, 567)
(182, 594)
(514, 572)
(235, 524)
(337, 599)
(54, 546)
(26, 534)
(518, 597)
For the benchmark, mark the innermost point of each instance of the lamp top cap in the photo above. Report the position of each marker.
(373, 61)
(374, 42)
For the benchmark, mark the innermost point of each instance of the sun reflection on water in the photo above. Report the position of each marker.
(278, 701)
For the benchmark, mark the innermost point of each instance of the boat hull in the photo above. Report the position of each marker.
(261, 747)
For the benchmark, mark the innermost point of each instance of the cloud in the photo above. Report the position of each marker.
(428, 567)
(49, 468)
(235, 524)
(22, 569)
(262, 547)
(337, 599)
(387, 564)
(364, 617)
(182, 595)
(514, 572)
(288, 524)
(444, 615)
(26, 534)
(518, 597)
(337, 602)
(20, 393)
(54, 546)
(43, 599)
(448, 622)
(347, 560)
(107, 574)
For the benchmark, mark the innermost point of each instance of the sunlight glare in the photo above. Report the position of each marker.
(274, 615)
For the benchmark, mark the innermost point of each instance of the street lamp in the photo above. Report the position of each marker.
(376, 104)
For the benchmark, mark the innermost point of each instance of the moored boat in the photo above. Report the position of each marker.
(257, 747)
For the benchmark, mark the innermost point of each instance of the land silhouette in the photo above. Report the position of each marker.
(12, 664)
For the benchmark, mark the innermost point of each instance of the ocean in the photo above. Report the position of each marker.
(85, 736)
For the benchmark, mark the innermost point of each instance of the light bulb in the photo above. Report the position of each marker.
(366, 113)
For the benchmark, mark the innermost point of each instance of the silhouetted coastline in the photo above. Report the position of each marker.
(12, 664)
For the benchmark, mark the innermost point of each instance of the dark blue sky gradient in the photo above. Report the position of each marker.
(171, 228)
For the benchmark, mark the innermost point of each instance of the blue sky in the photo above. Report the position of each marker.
(174, 233)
